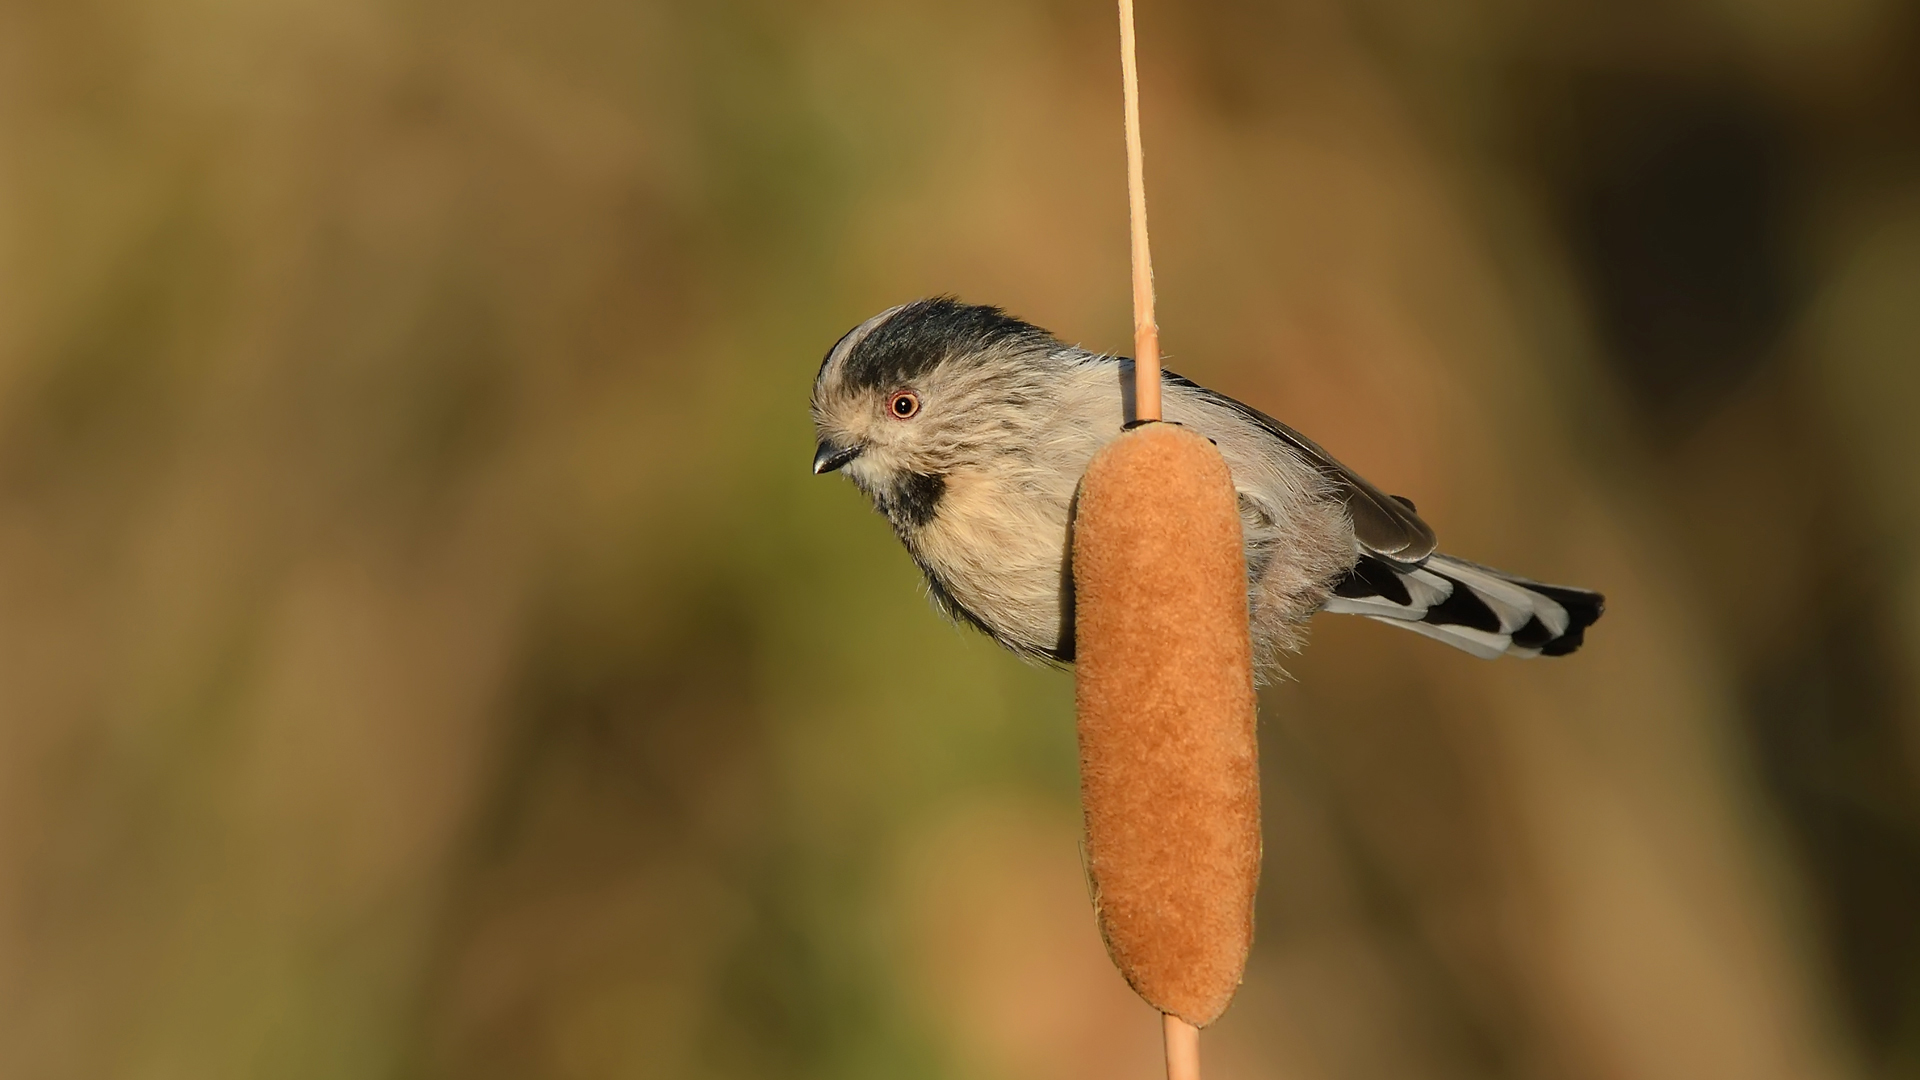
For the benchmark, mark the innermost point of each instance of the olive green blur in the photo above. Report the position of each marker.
(425, 653)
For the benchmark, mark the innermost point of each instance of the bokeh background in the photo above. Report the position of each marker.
(424, 653)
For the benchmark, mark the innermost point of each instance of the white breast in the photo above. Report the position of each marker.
(999, 541)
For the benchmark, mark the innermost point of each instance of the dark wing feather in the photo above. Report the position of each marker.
(1384, 525)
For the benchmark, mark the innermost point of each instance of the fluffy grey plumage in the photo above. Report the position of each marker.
(970, 430)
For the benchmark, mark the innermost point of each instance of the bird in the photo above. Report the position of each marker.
(970, 429)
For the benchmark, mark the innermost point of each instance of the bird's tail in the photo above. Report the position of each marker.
(1483, 611)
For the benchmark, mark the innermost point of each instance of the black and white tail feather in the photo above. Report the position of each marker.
(1401, 579)
(1481, 610)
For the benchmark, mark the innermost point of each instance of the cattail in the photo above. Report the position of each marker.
(1169, 763)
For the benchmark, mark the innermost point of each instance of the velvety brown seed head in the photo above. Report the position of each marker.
(1169, 766)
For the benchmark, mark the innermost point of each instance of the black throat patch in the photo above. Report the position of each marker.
(914, 502)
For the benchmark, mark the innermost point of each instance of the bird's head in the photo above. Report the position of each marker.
(919, 391)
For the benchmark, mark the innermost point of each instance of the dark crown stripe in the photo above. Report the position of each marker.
(828, 359)
(921, 335)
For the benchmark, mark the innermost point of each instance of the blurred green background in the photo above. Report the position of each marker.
(424, 653)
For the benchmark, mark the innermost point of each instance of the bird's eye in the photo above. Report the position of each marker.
(903, 404)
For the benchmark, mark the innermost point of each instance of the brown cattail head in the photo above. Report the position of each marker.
(1169, 766)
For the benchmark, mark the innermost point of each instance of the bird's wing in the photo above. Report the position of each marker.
(1384, 525)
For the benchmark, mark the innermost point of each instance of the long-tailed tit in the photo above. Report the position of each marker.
(970, 430)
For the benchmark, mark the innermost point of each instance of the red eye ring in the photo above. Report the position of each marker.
(903, 405)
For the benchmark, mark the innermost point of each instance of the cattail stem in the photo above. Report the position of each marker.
(1182, 1039)
(1183, 1048)
(1146, 332)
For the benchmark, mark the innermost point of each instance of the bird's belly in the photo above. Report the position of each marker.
(1001, 554)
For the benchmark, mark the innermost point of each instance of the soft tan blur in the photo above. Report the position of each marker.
(423, 650)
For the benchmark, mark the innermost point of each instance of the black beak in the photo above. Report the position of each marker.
(830, 458)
